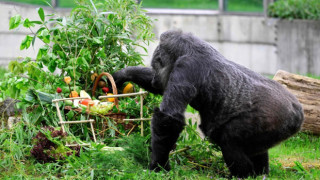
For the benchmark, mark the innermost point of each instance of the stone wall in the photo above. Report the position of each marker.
(261, 44)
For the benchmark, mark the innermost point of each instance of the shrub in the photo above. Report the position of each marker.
(98, 36)
(295, 9)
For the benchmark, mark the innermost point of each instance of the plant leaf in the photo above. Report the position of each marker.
(52, 65)
(36, 22)
(97, 40)
(14, 21)
(27, 23)
(70, 114)
(41, 14)
(25, 44)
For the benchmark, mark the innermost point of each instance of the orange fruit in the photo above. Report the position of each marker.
(128, 89)
(110, 99)
(74, 94)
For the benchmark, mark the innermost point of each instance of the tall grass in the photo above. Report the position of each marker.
(296, 158)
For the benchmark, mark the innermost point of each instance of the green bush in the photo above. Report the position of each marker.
(295, 9)
(98, 36)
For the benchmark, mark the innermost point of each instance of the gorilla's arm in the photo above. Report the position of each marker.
(140, 75)
(168, 121)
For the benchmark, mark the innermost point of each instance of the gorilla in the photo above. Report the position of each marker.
(241, 111)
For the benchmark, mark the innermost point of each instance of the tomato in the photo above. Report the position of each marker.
(105, 89)
(86, 102)
(59, 90)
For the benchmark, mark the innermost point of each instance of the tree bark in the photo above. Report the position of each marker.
(307, 91)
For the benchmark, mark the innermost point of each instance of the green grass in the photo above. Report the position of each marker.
(233, 5)
(62, 3)
(296, 158)
(181, 4)
(245, 5)
(313, 76)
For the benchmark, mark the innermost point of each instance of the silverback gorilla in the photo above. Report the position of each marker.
(241, 111)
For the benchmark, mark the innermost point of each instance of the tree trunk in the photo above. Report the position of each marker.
(307, 91)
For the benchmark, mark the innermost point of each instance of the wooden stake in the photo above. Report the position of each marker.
(131, 130)
(138, 119)
(141, 111)
(59, 116)
(93, 134)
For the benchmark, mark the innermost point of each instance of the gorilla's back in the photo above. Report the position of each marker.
(243, 98)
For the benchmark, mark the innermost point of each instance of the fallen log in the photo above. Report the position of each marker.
(307, 91)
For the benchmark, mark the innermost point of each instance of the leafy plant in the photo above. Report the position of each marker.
(98, 36)
(49, 145)
(295, 9)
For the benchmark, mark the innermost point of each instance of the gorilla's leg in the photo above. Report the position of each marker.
(237, 161)
(261, 163)
(165, 132)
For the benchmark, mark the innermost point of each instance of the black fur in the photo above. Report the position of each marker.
(241, 111)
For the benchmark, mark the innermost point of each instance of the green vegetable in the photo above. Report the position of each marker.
(83, 107)
(68, 102)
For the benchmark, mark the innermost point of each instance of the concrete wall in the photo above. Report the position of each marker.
(298, 44)
(10, 40)
(263, 45)
(247, 40)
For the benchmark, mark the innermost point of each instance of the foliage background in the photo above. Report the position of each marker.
(295, 9)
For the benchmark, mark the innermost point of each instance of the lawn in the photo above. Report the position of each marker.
(233, 5)
(296, 158)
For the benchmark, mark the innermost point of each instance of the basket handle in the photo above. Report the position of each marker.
(114, 87)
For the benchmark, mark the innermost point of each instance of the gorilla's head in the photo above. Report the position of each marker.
(173, 44)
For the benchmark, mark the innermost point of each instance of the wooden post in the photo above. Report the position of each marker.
(59, 116)
(307, 91)
(223, 5)
(141, 111)
(93, 134)
(54, 3)
(265, 7)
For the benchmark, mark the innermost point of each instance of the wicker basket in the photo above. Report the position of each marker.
(118, 117)
(115, 116)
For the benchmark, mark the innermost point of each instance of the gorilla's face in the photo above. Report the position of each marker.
(162, 70)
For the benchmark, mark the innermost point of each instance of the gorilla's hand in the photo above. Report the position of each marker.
(141, 76)
(120, 77)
